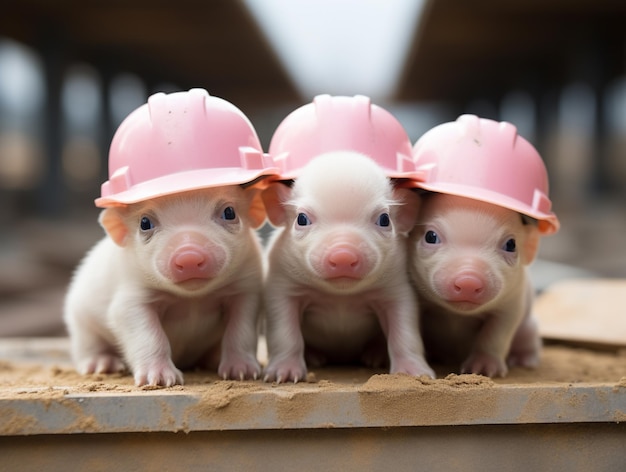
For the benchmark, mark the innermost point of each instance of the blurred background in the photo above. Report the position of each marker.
(71, 70)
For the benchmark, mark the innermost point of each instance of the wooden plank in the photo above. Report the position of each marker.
(586, 311)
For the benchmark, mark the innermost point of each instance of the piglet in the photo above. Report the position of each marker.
(337, 286)
(175, 284)
(468, 264)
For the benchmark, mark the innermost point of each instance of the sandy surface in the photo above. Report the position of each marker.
(39, 371)
(40, 366)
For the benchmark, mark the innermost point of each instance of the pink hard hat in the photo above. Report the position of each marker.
(178, 142)
(486, 160)
(339, 123)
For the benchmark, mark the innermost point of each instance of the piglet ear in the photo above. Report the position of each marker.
(531, 245)
(407, 210)
(112, 220)
(274, 197)
(256, 210)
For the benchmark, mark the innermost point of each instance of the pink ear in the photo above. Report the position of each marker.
(407, 210)
(531, 246)
(274, 197)
(113, 223)
(256, 210)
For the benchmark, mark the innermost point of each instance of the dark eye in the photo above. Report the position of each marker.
(509, 246)
(303, 220)
(431, 237)
(229, 213)
(145, 224)
(383, 220)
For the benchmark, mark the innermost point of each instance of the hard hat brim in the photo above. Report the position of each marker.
(548, 223)
(182, 182)
(411, 177)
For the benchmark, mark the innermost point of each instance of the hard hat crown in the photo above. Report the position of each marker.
(341, 123)
(178, 142)
(489, 161)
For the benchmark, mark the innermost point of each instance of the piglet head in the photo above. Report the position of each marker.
(185, 243)
(467, 255)
(343, 221)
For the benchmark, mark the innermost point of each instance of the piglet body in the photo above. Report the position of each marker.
(337, 287)
(174, 284)
(468, 264)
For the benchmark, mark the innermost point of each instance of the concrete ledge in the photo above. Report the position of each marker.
(309, 408)
(353, 418)
(40, 393)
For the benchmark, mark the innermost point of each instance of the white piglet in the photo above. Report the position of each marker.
(175, 284)
(468, 263)
(337, 285)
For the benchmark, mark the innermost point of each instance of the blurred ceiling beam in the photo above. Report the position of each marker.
(212, 44)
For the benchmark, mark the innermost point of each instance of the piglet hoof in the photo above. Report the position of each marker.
(484, 364)
(239, 368)
(412, 366)
(159, 373)
(101, 364)
(529, 360)
(292, 370)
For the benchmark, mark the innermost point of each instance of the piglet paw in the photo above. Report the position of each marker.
(416, 366)
(483, 363)
(528, 359)
(239, 368)
(286, 370)
(158, 373)
(103, 363)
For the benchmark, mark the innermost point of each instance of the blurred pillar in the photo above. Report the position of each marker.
(594, 61)
(106, 73)
(52, 195)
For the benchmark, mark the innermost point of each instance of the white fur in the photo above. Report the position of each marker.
(472, 235)
(122, 309)
(343, 194)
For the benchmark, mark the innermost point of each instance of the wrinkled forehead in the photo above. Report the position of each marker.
(467, 216)
(196, 201)
(344, 196)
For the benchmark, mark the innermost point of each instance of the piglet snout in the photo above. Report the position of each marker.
(192, 256)
(344, 261)
(190, 262)
(467, 287)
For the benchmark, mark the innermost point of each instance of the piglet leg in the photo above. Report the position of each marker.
(93, 354)
(144, 343)
(285, 343)
(488, 357)
(526, 346)
(404, 343)
(238, 357)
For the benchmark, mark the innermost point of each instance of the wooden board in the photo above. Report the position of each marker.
(586, 311)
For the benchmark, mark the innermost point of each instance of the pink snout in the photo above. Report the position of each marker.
(467, 287)
(191, 262)
(344, 261)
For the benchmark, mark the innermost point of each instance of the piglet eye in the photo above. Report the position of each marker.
(431, 237)
(383, 220)
(303, 220)
(145, 224)
(509, 246)
(229, 213)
